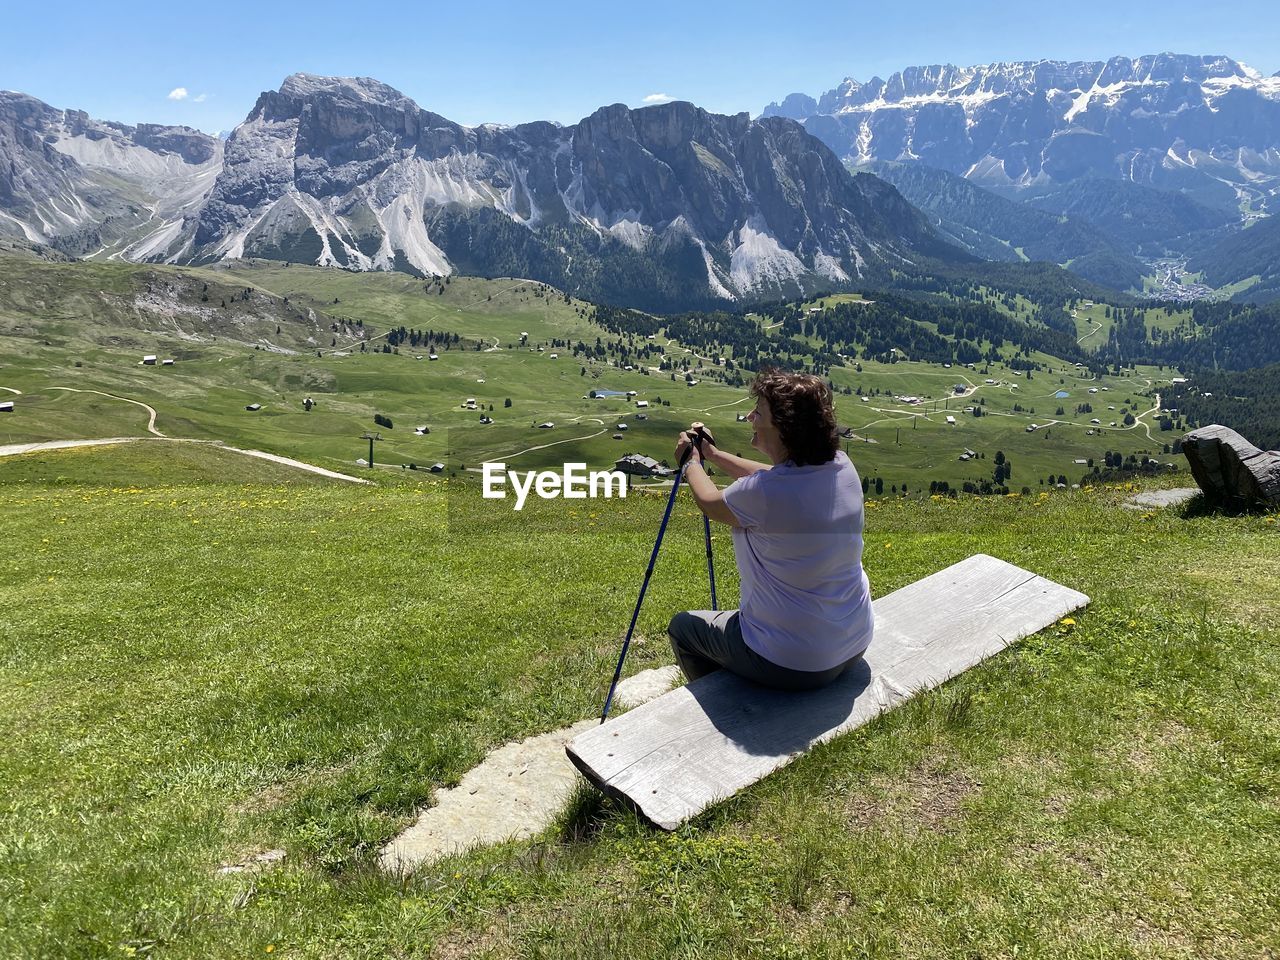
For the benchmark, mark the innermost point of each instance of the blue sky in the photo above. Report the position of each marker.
(504, 62)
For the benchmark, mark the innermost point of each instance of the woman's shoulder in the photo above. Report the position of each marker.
(837, 466)
(846, 468)
(839, 462)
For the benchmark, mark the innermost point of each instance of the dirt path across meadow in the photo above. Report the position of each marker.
(151, 423)
(13, 449)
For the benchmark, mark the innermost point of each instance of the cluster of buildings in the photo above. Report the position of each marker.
(639, 465)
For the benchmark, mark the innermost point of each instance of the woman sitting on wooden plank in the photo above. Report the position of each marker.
(797, 537)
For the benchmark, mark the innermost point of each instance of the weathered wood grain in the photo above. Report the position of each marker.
(678, 754)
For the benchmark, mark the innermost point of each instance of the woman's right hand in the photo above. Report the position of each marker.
(702, 441)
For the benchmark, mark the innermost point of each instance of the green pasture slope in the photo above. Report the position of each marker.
(1094, 323)
(204, 657)
(85, 327)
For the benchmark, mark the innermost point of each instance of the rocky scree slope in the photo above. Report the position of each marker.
(97, 188)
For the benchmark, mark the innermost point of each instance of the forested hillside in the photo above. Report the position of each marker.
(1231, 336)
(879, 326)
(1132, 214)
(1254, 252)
(997, 228)
(1247, 402)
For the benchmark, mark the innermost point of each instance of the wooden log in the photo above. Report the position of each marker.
(701, 743)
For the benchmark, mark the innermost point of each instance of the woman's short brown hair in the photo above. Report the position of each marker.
(804, 413)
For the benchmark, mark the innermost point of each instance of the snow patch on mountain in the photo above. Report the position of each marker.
(1267, 86)
(1001, 124)
(969, 101)
(1081, 103)
(863, 142)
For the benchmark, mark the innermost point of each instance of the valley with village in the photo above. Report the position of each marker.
(302, 362)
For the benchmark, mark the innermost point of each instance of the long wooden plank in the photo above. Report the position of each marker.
(701, 743)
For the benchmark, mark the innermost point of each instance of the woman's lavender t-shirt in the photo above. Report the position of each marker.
(806, 603)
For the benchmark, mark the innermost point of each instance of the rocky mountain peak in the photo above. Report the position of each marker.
(192, 145)
(304, 86)
(670, 202)
(1169, 68)
(1029, 77)
(322, 97)
(847, 89)
(24, 117)
(795, 106)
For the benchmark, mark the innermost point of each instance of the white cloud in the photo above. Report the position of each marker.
(178, 93)
(658, 98)
(201, 98)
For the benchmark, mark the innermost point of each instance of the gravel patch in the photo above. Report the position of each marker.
(514, 793)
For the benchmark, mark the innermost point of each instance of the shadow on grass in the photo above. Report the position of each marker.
(1201, 506)
(586, 814)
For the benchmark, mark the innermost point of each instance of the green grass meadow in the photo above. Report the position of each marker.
(205, 657)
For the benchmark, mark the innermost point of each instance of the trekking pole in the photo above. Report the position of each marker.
(700, 430)
(671, 501)
(711, 567)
